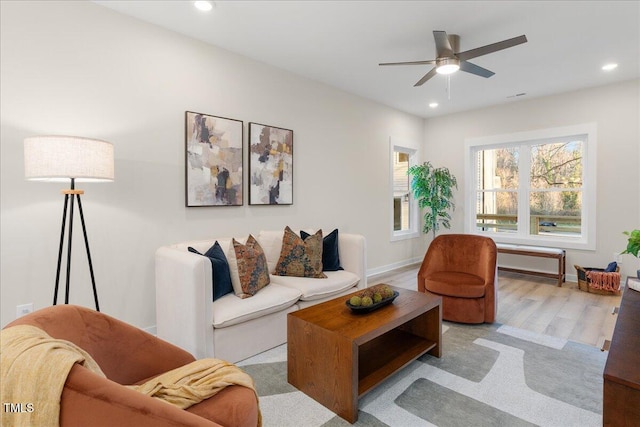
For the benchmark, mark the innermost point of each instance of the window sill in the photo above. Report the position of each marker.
(404, 235)
(551, 241)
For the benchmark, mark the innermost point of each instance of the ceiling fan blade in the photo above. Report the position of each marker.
(426, 77)
(443, 46)
(432, 61)
(490, 48)
(475, 69)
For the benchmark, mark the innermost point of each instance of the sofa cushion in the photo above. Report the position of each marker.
(312, 289)
(300, 258)
(231, 310)
(220, 270)
(251, 272)
(330, 254)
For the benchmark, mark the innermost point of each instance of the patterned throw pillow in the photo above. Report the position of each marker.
(252, 266)
(300, 258)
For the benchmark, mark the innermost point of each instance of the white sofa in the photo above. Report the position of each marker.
(232, 328)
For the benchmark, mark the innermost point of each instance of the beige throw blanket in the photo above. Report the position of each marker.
(35, 366)
(189, 384)
(34, 369)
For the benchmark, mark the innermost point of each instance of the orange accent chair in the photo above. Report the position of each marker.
(462, 269)
(128, 355)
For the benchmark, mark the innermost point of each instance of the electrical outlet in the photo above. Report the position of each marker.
(23, 309)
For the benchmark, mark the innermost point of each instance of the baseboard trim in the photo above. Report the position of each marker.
(151, 329)
(386, 268)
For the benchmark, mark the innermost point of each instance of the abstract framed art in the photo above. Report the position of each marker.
(270, 165)
(213, 160)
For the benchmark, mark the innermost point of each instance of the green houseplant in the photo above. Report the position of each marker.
(433, 188)
(633, 245)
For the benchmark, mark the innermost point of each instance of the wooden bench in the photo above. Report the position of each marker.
(536, 251)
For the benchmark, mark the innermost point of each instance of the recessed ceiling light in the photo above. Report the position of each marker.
(433, 104)
(204, 6)
(610, 67)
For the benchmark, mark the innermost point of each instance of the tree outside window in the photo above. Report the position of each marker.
(533, 189)
(404, 215)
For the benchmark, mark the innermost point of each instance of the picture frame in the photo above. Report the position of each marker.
(213, 160)
(270, 165)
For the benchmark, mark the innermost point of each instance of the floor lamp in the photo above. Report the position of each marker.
(63, 158)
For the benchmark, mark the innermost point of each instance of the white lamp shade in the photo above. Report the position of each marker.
(57, 158)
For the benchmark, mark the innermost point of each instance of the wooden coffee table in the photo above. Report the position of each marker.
(336, 356)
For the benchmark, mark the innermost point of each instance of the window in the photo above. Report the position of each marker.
(404, 213)
(534, 187)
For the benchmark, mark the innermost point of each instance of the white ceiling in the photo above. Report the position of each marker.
(340, 43)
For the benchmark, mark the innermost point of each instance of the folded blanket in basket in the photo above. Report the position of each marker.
(604, 280)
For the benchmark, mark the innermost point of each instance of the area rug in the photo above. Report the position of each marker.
(489, 375)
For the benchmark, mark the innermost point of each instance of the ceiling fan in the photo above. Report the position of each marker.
(449, 60)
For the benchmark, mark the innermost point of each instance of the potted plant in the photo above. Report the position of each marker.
(633, 245)
(433, 188)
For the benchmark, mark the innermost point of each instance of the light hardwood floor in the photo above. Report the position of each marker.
(538, 305)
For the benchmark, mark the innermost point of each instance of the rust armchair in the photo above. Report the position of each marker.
(128, 355)
(461, 268)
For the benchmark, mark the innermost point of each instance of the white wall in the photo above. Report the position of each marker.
(616, 111)
(78, 68)
(81, 69)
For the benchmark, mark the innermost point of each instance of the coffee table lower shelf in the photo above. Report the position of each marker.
(376, 362)
(336, 357)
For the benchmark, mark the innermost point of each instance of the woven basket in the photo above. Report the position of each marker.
(584, 282)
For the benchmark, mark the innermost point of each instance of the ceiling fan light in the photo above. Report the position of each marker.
(447, 65)
(447, 69)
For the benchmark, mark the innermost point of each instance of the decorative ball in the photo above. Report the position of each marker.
(355, 301)
(367, 301)
(387, 292)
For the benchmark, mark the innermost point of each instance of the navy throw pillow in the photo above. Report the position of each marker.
(611, 267)
(330, 254)
(220, 270)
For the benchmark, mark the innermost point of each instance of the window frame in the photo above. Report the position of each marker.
(413, 231)
(587, 241)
